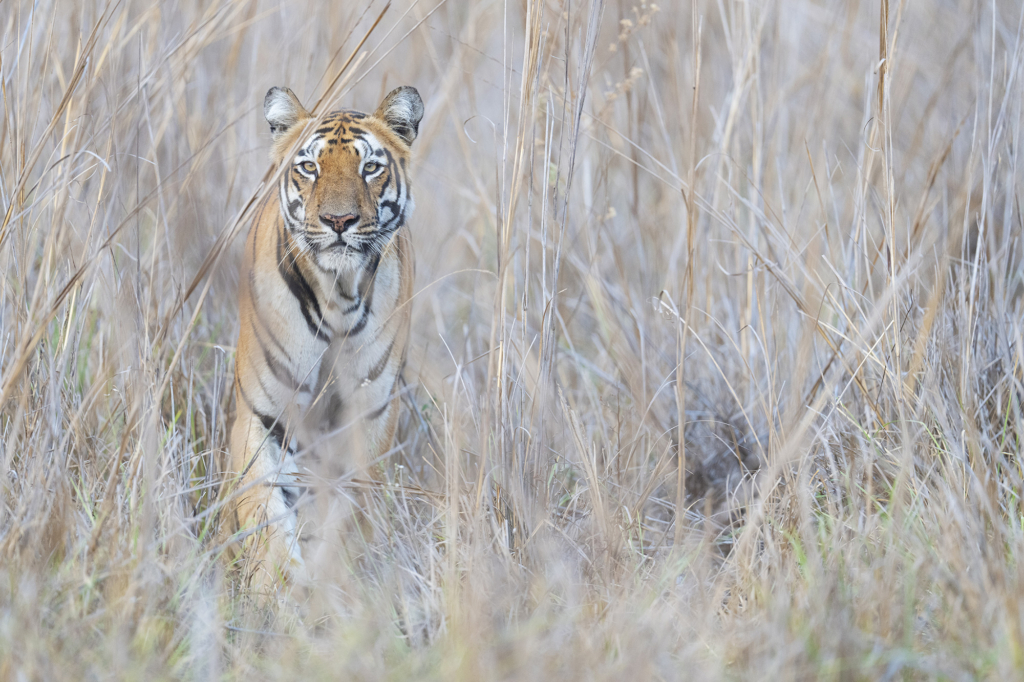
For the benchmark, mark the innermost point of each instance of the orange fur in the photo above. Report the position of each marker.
(324, 318)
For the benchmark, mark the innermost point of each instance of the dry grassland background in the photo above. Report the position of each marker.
(792, 226)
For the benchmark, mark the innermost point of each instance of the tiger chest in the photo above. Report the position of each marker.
(358, 369)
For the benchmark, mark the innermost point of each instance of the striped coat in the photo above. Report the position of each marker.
(324, 317)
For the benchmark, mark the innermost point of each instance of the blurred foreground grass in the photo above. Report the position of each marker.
(793, 227)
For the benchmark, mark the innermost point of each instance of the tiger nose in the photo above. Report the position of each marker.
(340, 223)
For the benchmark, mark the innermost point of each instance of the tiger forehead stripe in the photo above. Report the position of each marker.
(340, 128)
(312, 150)
(370, 147)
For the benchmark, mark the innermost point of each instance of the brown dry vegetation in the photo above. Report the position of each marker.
(795, 226)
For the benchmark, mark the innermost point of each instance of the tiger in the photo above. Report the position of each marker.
(324, 294)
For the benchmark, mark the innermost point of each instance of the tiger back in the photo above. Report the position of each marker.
(324, 318)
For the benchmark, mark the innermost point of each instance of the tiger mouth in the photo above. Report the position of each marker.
(340, 244)
(343, 243)
(361, 240)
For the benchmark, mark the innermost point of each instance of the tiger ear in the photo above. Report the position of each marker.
(283, 110)
(402, 110)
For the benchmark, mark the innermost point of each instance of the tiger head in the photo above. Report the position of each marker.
(344, 192)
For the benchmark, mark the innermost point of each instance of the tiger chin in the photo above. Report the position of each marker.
(324, 316)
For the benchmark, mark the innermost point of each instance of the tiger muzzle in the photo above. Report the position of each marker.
(339, 223)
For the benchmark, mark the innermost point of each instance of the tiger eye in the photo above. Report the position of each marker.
(370, 167)
(309, 167)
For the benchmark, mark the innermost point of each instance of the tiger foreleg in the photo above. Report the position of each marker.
(265, 515)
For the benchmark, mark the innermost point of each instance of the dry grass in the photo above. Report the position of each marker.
(794, 226)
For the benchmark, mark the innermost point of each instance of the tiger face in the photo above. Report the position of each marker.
(344, 192)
